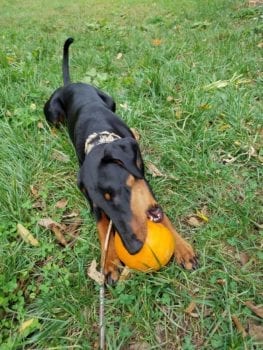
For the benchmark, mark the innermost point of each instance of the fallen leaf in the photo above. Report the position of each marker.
(257, 309)
(34, 191)
(135, 134)
(124, 106)
(10, 59)
(94, 274)
(40, 205)
(156, 42)
(239, 325)
(221, 281)
(235, 80)
(26, 235)
(60, 156)
(178, 114)
(219, 84)
(56, 228)
(153, 170)
(62, 203)
(73, 229)
(255, 331)
(201, 215)
(169, 98)
(71, 215)
(260, 45)
(229, 160)
(243, 258)
(40, 125)
(205, 106)
(59, 235)
(25, 325)
(28, 326)
(190, 308)
(194, 221)
(33, 107)
(125, 274)
(48, 223)
(223, 127)
(119, 56)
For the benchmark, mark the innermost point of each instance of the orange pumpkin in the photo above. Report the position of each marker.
(156, 252)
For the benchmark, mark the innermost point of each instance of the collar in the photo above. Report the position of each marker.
(97, 138)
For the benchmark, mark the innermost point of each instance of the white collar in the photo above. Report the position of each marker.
(97, 138)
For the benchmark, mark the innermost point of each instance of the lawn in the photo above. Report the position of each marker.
(187, 75)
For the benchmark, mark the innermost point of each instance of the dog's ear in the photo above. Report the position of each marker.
(109, 102)
(126, 153)
(54, 110)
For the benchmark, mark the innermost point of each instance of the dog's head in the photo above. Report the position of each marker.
(112, 177)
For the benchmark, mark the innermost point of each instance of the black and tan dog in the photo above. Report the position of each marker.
(111, 171)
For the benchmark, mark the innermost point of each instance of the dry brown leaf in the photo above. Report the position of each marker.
(190, 308)
(194, 221)
(59, 235)
(94, 274)
(153, 170)
(48, 223)
(60, 156)
(40, 205)
(125, 274)
(72, 230)
(257, 309)
(156, 42)
(71, 215)
(243, 258)
(34, 191)
(239, 325)
(62, 203)
(221, 281)
(255, 331)
(26, 235)
(56, 228)
(135, 134)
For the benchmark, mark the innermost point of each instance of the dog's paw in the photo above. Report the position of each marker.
(185, 255)
(112, 272)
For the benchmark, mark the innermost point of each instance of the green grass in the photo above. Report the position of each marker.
(189, 137)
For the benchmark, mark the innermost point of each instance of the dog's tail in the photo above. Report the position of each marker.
(65, 65)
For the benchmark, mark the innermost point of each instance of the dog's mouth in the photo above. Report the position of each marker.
(155, 213)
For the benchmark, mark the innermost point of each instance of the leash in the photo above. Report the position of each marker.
(102, 290)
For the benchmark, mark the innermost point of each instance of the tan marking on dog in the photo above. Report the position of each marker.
(141, 201)
(130, 181)
(111, 260)
(107, 196)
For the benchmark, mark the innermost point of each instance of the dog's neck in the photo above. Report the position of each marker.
(98, 138)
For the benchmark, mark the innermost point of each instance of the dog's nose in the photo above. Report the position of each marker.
(155, 213)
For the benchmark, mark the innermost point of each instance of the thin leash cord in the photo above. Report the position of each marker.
(102, 289)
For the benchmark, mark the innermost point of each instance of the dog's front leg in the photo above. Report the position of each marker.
(184, 253)
(112, 261)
